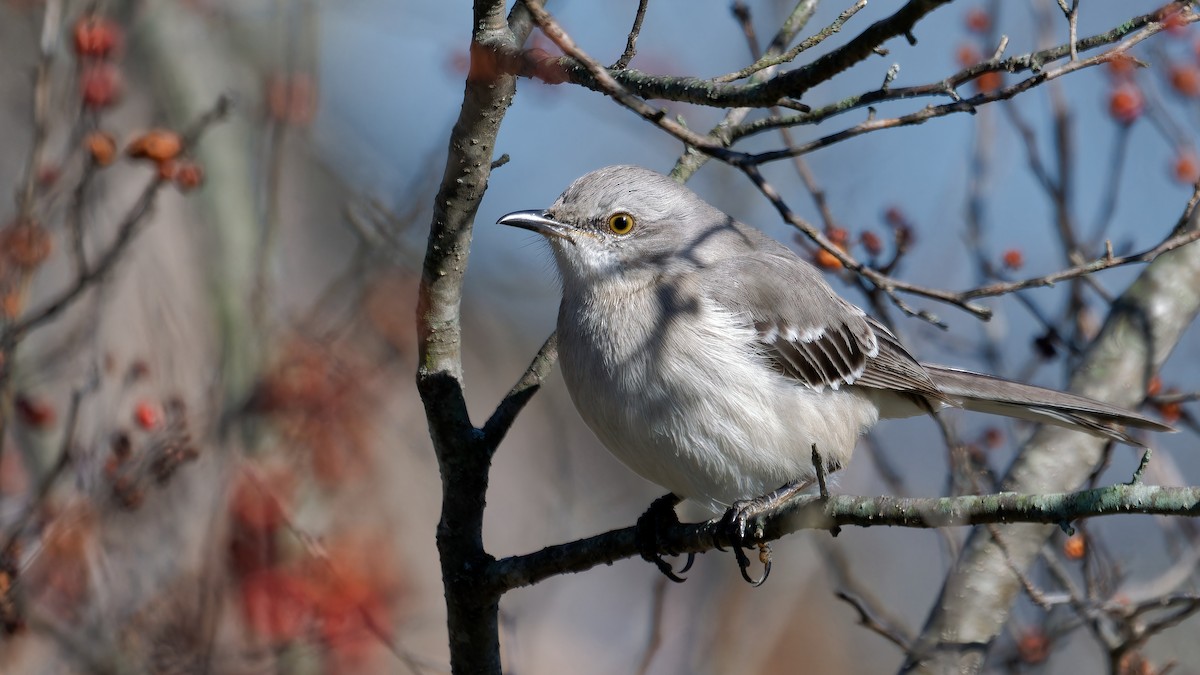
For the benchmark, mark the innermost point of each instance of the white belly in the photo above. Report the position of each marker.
(709, 421)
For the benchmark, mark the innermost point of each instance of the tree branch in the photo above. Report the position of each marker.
(811, 512)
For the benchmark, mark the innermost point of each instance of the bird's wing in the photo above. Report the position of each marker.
(810, 333)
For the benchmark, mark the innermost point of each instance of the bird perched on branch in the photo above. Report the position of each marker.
(710, 358)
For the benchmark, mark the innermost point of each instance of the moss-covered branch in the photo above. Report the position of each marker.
(812, 512)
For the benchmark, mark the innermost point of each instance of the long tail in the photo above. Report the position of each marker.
(985, 393)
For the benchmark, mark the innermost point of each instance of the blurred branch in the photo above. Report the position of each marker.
(47, 46)
(126, 231)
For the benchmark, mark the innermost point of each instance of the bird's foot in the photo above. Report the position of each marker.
(737, 524)
(659, 517)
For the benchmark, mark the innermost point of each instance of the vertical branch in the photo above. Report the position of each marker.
(464, 453)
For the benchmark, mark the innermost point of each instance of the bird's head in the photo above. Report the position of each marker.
(622, 221)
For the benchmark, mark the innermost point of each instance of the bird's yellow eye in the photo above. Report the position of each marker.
(620, 223)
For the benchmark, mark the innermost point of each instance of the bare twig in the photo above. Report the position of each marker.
(500, 421)
(47, 47)
(631, 41)
(770, 59)
(1092, 267)
(654, 638)
(868, 620)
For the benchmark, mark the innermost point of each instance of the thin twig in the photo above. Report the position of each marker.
(508, 409)
(65, 458)
(1092, 267)
(631, 41)
(869, 621)
(47, 47)
(654, 637)
(769, 59)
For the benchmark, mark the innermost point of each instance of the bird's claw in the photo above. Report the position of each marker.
(736, 524)
(659, 516)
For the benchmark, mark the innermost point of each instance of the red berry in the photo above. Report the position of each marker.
(1174, 23)
(871, 243)
(1014, 259)
(1185, 168)
(35, 413)
(96, 36)
(1125, 103)
(1121, 67)
(1033, 646)
(978, 20)
(967, 55)
(189, 176)
(100, 85)
(1185, 79)
(147, 415)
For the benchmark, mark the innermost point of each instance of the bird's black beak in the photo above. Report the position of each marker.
(537, 222)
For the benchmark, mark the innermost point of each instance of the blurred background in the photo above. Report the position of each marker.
(214, 456)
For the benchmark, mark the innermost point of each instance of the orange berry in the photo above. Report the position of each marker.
(1075, 547)
(96, 36)
(189, 176)
(1014, 259)
(25, 244)
(1121, 66)
(1185, 167)
(101, 146)
(1185, 79)
(989, 82)
(147, 415)
(826, 260)
(1170, 412)
(967, 55)
(157, 144)
(978, 20)
(99, 85)
(1125, 103)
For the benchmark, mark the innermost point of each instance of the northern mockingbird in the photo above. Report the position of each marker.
(710, 359)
